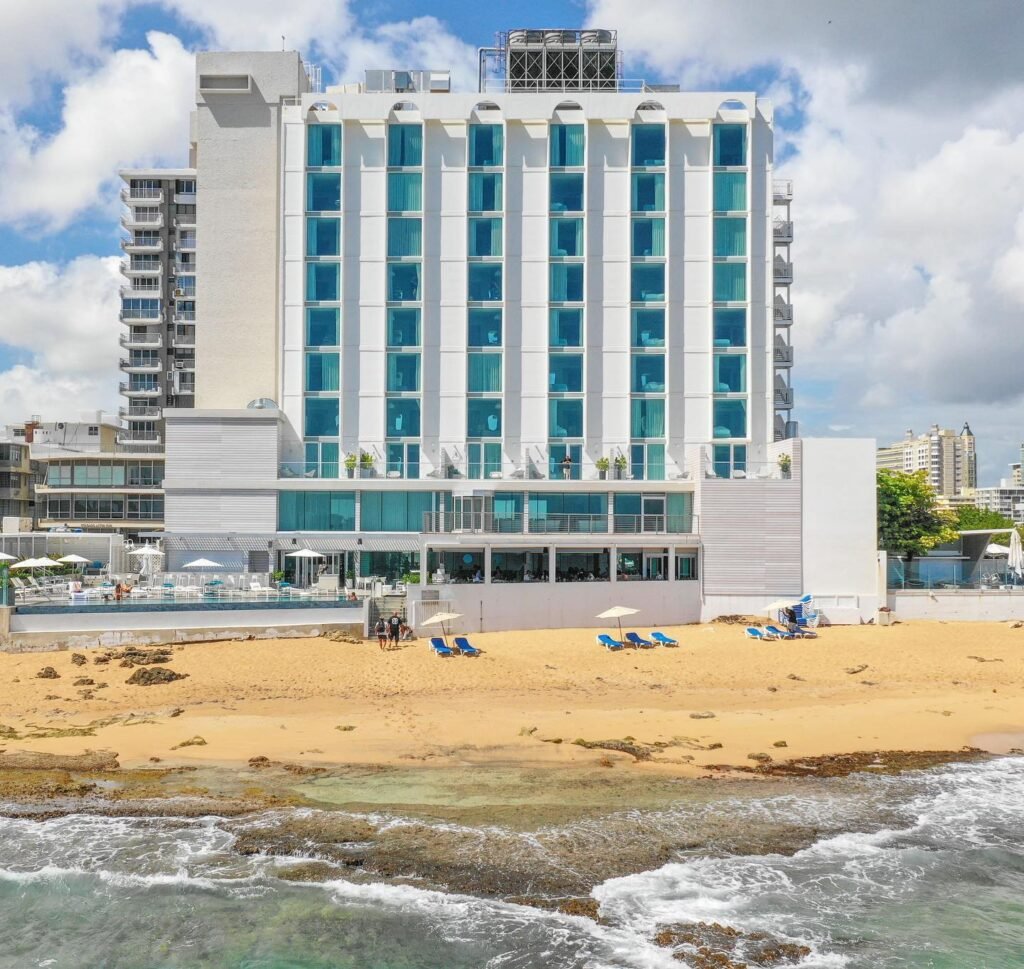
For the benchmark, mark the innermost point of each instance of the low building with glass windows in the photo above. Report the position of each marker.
(536, 335)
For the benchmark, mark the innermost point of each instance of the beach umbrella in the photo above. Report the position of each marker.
(995, 550)
(780, 604)
(203, 564)
(25, 564)
(46, 563)
(1015, 560)
(617, 612)
(439, 619)
(147, 553)
(73, 560)
(4, 557)
(304, 553)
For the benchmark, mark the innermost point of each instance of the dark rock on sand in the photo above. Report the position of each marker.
(152, 675)
(84, 681)
(48, 673)
(875, 761)
(710, 945)
(705, 715)
(78, 659)
(310, 871)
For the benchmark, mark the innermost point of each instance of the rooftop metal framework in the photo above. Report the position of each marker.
(552, 60)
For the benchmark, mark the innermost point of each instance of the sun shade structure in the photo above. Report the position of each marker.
(4, 557)
(26, 564)
(74, 560)
(439, 619)
(304, 553)
(148, 550)
(1015, 559)
(45, 563)
(617, 612)
(202, 564)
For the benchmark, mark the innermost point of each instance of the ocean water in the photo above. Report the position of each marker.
(919, 870)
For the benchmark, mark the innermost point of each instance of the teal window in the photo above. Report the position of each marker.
(403, 281)
(141, 309)
(321, 416)
(565, 373)
(323, 237)
(566, 191)
(730, 237)
(323, 192)
(730, 327)
(323, 281)
(483, 417)
(679, 509)
(405, 237)
(486, 142)
(648, 192)
(485, 282)
(548, 504)
(403, 327)
(730, 191)
(565, 418)
(727, 458)
(403, 372)
(647, 463)
(484, 328)
(567, 144)
(648, 145)
(484, 376)
(322, 371)
(647, 417)
(686, 565)
(405, 145)
(316, 511)
(323, 143)
(566, 237)
(566, 282)
(730, 373)
(648, 237)
(403, 417)
(566, 328)
(404, 458)
(405, 192)
(729, 418)
(485, 459)
(647, 282)
(322, 458)
(485, 237)
(730, 144)
(730, 282)
(557, 453)
(648, 328)
(485, 193)
(396, 511)
(648, 373)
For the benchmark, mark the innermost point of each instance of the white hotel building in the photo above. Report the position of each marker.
(532, 342)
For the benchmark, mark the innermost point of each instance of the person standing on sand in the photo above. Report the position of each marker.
(381, 631)
(394, 628)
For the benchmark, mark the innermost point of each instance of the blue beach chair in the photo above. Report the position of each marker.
(637, 641)
(438, 646)
(662, 640)
(465, 647)
(779, 633)
(605, 640)
(752, 632)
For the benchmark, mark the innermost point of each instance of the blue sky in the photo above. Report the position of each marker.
(899, 321)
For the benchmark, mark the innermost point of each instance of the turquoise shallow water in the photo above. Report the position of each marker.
(940, 886)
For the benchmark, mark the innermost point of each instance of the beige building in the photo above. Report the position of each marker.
(948, 457)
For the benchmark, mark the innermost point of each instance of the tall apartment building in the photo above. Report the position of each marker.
(949, 458)
(158, 301)
(539, 330)
(17, 475)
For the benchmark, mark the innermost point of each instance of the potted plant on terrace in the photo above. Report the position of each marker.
(602, 465)
(785, 464)
(351, 460)
(365, 463)
(620, 466)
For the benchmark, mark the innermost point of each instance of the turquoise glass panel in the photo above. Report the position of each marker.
(483, 418)
(321, 416)
(647, 418)
(648, 145)
(403, 417)
(316, 511)
(729, 418)
(405, 145)
(405, 238)
(565, 418)
(484, 373)
(323, 192)
(730, 373)
(405, 192)
(730, 282)
(486, 142)
(323, 281)
(485, 237)
(565, 373)
(647, 282)
(566, 328)
(566, 282)
(403, 327)
(566, 237)
(395, 511)
(403, 372)
(322, 371)
(403, 281)
(648, 237)
(730, 191)
(484, 282)
(648, 191)
(648, 328)
(730, 327)
(730, 144)
(730, 237)
(648, 373)
(323, 143)
(323, 237)
(484, 327)
(567, 145)
(566, 191)
(485, 192)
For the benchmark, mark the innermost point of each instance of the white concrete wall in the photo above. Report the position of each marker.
(961, 605)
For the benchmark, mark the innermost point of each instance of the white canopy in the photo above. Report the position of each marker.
(617, 612)
(148, 550)
(26, 564)
(4, 557)
(780, 604)
(1015, 560)
(202, 564)
(45, 563)
(74, 560)
(996, 549)
(304, 553)
(441, 617)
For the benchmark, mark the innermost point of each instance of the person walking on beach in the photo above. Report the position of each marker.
(381, 631)
(394, 628)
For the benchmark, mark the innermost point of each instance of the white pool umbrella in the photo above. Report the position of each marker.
(25, 564)
(147, 550)
(1015, 560)
(303, 553)
(73, 560)
(46, 563)
(995, 550)
(617, 612)
(439, 619)
(202, 564)
(148, 554)
(4, 557)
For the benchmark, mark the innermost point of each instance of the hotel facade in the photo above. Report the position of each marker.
(530, 344)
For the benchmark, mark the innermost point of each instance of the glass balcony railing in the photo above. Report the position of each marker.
(483, 522)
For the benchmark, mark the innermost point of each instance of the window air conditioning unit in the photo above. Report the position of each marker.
(179, 293)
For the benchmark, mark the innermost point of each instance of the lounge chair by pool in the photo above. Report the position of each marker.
(605, 640)
(662, 639)
(637, 641)
(754, 632)
(438, 646)
(779, 633)
(465, 647)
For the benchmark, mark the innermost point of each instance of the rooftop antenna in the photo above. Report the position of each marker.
(282, 41)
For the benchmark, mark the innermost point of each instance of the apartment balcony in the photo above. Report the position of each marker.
(782, 354)
(185, 218)
(783, 398)
(134, 318)
(489, 523)
(184, 268)
(154, 289)
(180, 293)
(147, 390)
(145, 245)
(149, 196)
(187, 365)
(783, 313)
(183, 341)
(783, 272)
(139, 366)
(135, 270)
(130, 438)
(184, 316)
(139, 412)
(141, 341)
(133, 219)
(186, 244)
(184, 198)
(782, 232)
(782, 191)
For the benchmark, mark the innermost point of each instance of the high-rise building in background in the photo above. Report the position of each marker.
(948, 456)
(532, 334)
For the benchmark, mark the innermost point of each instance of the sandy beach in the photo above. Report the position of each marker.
(919, 686)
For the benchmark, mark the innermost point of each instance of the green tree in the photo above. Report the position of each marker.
(969, 518)
(909, 520)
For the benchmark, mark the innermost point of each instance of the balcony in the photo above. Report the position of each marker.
(488, 523)
(184, 316)
(185, 218)
(138, 413)
(782, 191)
(782, 232)
(142, 439)
(133, 219)
(142, 245)
(133, 317)
(145, 290)
(142, 341)
(184, 268)
(187, 365)
(152, 196)
(184, 198)
(184, 293)
(140, 366)
(783, 398)
(146, 390)
(782, 354)
(183, 340)
(133, 269)
(783, 272)
(186, 243)
(783, 313)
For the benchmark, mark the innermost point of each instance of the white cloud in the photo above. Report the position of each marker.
(64, 319)
(133, 110)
